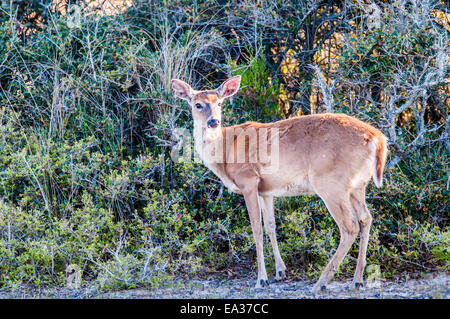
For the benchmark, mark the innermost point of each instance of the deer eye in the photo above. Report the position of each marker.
(198, 106)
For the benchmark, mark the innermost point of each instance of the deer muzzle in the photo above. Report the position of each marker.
(213, 123)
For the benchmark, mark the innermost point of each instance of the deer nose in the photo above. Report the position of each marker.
(213, 123)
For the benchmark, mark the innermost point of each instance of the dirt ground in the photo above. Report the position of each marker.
(434, 286)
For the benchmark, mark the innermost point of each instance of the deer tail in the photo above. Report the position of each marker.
(380, 159)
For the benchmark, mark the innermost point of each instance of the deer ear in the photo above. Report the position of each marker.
(182, 89)
(229, 87)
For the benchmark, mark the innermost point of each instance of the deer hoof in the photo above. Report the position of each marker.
(262, 283)
(281, 274)
(319, 288)
(358, 285)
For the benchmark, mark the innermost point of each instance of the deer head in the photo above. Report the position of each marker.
(207, 105)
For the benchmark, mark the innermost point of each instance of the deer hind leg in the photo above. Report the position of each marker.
(254, 212)
(358, 201)
(340, 208)
(270, 226)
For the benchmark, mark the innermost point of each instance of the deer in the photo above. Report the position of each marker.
(332, 155)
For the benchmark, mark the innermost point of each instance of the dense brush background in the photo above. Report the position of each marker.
(87, 120)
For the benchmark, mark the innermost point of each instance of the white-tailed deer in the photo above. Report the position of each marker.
(331, 155)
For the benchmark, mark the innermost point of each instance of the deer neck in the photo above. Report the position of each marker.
(205, 140)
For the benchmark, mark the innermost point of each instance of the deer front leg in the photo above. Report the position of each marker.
(254, 212)
(269, 224)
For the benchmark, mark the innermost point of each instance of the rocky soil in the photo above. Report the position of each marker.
(432, 286)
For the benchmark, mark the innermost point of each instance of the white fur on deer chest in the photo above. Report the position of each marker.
(213, 163)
